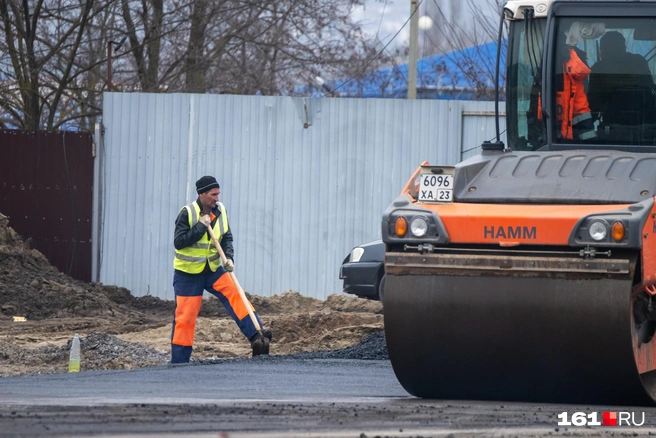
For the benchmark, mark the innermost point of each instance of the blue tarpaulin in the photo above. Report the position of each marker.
(464, 74)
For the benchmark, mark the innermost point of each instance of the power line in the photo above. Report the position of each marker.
(396, 66)
(381, 20)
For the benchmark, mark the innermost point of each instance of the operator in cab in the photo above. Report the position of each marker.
(618, 79)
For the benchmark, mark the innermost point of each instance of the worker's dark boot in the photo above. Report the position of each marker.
(180, 353)
(267, 339)
(257, 344)
(260, 344)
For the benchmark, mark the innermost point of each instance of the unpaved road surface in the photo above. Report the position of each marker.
(268, 397)
(121, 331)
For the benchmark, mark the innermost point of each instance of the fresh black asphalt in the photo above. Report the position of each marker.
(267, 378)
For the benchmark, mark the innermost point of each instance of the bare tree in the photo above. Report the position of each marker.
(377, 74)
(39, 49)
(145, 38)
(294, 47)
(471, 57)
(85, 95)
(53, 53)
(241, 46)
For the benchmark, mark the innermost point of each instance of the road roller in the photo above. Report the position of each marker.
(528, 272)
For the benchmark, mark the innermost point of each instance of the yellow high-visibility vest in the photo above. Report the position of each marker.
(192, 259)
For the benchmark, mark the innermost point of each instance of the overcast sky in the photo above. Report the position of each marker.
(386, 18)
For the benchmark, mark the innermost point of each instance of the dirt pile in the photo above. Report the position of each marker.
(31, 287)
(8, 237)
(120, 331)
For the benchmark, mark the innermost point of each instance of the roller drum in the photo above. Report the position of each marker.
(534, 337)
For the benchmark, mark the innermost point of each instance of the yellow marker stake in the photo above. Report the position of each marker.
(74, 357)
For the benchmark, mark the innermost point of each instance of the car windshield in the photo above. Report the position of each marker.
(603, 81)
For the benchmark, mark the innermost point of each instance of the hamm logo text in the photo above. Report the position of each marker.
(526, 233)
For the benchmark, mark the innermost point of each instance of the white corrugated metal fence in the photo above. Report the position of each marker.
(303, 180)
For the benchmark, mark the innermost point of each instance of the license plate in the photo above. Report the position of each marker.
(436, 188)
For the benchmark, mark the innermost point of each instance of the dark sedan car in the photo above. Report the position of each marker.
(363, 272)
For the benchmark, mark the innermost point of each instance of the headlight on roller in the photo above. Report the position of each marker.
(598, 231)
(419, 227)
(356, 254)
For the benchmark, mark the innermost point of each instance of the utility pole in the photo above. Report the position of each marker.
(412, 62)
(109, 60)
(109, 65)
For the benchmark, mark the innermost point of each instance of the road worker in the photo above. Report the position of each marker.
(198, 267)
(614, 81)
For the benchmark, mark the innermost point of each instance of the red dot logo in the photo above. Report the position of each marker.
(609, 419)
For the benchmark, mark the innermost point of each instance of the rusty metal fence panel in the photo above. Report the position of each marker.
(46, 190)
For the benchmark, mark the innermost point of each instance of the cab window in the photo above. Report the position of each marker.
(525, 124)
(603, 81)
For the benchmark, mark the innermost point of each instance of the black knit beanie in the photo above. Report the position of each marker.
(205, 184)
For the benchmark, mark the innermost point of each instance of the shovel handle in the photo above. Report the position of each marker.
(234, 280)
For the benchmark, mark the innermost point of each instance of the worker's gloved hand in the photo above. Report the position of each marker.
(205, 220)
(229, 266)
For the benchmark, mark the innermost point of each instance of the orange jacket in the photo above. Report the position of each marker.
(572, 106)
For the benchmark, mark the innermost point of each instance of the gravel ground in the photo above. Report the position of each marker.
(101, 351)
(373, 347)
